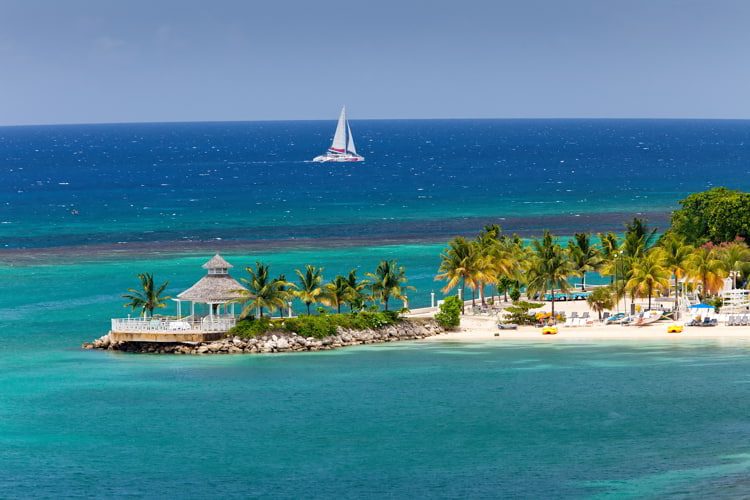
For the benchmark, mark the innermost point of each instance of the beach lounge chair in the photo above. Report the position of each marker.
(745, 320)
(507, 326)
(605, 315)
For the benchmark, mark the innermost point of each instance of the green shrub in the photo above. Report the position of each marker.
(325, 325)
(515, 294)
(519, 314)
(449, 316)
(252, 327)
(311, 326)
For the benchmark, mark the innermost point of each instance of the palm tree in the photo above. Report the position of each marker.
(388, 281)
(610, 247)
(736, 259)
(675, 253)
(309, 289)
(648, 275)
(601, 299)
(638, 238)
(488, 250)
(286, 291)
(584, 256)
(148, 297)
(356, 298)
(704, 266)
(459, 264)
(261, 291)
(549, 268)
(336, 293)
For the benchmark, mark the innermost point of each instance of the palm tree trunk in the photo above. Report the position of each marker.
(308, 308)
(676, 295)
(553, 306)
(338, 308)
(385, 302)
(481, 292)
(583, 281)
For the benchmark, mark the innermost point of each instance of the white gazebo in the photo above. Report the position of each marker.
(217, 289)
(215, 294)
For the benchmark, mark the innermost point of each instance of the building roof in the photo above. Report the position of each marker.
(213, 288)
(217, 262)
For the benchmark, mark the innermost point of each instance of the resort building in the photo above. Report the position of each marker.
(735, 301)
(212, 311)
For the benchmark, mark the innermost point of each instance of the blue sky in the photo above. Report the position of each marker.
(85, 61)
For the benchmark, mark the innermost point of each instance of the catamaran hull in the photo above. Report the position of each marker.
(338, 159)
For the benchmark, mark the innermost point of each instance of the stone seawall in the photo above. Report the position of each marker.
(278, 341)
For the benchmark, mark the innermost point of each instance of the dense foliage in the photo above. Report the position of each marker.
(518, 313)
(717, 215)
(449, 316)
(320, 326)
(704, 246)
(601, 299)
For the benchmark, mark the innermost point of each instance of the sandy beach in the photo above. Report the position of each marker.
(480, 328)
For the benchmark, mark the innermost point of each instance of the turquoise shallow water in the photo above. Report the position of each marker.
(445, 419)
(437, 420)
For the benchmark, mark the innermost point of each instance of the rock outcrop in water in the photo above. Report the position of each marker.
(279, 341)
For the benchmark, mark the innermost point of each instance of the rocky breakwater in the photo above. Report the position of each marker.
(279, 341)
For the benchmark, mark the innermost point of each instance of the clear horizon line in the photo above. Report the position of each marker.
(528, 118)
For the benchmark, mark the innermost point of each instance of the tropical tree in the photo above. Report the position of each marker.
(261, 291)
(286, 290)
(735, 257)
(704, 267)
(462, 263)
(601, 299)
(148, 297)
(336, 293)
(356, 300)
(309, 290)
(388, 281)
(488, 251)
(610, 246)
(675, 253)
(638, 238)
(584, 256)
(648, 275)
(549, 268)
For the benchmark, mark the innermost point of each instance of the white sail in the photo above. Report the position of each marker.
(342, 149)
(350, 143)
(339, 138)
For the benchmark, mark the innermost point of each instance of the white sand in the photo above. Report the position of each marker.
(484, 328)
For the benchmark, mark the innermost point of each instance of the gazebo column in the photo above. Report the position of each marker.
(192, 309)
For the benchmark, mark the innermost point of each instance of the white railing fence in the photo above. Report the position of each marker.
(174, 325)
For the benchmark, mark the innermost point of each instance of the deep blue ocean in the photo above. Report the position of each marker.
(84, 208)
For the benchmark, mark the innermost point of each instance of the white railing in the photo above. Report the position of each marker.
(188, 324)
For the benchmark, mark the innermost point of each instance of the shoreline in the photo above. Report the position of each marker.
(278, 341)
(475, 329)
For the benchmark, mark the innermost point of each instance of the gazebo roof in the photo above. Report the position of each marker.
(217, 262)
(213, 289)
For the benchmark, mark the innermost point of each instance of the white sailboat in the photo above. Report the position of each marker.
(342, 149)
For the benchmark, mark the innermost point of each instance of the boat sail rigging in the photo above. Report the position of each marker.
(342, 148)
